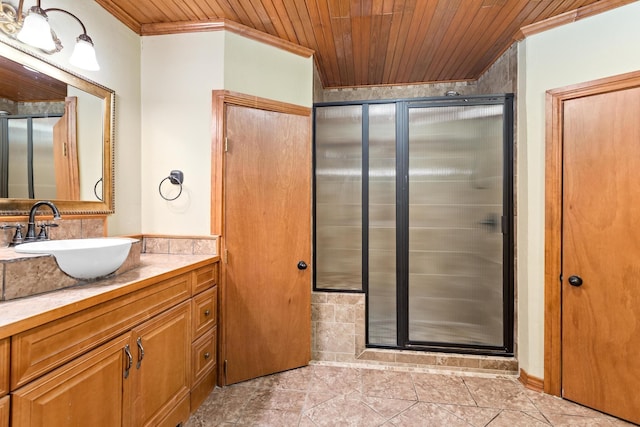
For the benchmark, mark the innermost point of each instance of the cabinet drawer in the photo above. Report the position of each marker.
(205, 313)
(204, 278)
(204, 354)
(201, 390)
(39, 350)
(4, 366)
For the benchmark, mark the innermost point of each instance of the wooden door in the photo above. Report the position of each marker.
(161, 349)
(65, 152)
(267, 229)
(601, 252)
(89, 391)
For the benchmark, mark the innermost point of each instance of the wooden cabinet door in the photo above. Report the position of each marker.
(161, 373)
(89, 391)
(4, 366)
(4, 411)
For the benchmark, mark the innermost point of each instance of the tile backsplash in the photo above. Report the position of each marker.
(65, 229)
(180, 245)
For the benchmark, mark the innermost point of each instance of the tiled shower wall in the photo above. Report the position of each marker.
(12, 107)
(338, 323)
(338, 335)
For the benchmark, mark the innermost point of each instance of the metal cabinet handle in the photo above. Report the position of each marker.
(207, 355)
(302, 265)
(140, 352)
(207, 312)
(127, 352)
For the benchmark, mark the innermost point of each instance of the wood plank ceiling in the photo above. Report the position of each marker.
(375, 42)
(22, 84)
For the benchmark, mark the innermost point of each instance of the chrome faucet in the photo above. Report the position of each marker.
(31, 226)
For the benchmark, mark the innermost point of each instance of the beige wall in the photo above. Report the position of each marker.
(257, 69)
(179, 73)
(595, 47)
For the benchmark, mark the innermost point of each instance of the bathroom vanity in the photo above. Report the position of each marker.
(136, 349)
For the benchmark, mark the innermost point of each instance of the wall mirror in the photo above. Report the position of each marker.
(55, 137)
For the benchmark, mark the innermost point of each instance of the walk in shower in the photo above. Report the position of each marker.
(413, 207)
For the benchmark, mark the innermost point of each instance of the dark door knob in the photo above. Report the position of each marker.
(575, 281)
(302, 265)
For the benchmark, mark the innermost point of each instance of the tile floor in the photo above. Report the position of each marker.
(325, 395)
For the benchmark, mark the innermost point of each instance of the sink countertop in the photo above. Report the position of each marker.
(10, 254)
(21, 314)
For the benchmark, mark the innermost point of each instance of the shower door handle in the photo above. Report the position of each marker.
(490, 222)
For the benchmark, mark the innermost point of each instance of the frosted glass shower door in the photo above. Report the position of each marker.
(18, 152)
(31, 173)
(338, 197)
(382, 305)
(455, 258)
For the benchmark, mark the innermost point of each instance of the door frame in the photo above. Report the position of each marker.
(553, 215)
(220, 100)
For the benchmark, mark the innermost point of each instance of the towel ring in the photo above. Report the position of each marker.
(95, 189)
(176, 177)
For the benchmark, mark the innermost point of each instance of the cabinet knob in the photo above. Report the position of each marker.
(207, 355)
(207, 312)
(302, 265)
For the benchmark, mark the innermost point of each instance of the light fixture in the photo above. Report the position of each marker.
(84, 55)
(34, 30)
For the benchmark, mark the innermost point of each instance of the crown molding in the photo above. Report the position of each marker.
(226, 25)
(569, 17)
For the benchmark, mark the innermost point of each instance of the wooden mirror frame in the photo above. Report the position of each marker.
(15, 207)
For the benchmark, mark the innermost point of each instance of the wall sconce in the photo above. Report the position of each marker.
(34, 30)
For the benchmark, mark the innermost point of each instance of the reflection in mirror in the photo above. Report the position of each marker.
(26, 170)
(55, 137)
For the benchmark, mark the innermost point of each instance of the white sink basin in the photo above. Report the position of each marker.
(83, 258)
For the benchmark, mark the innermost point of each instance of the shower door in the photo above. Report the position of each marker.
(456, 287)
(445, 282)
